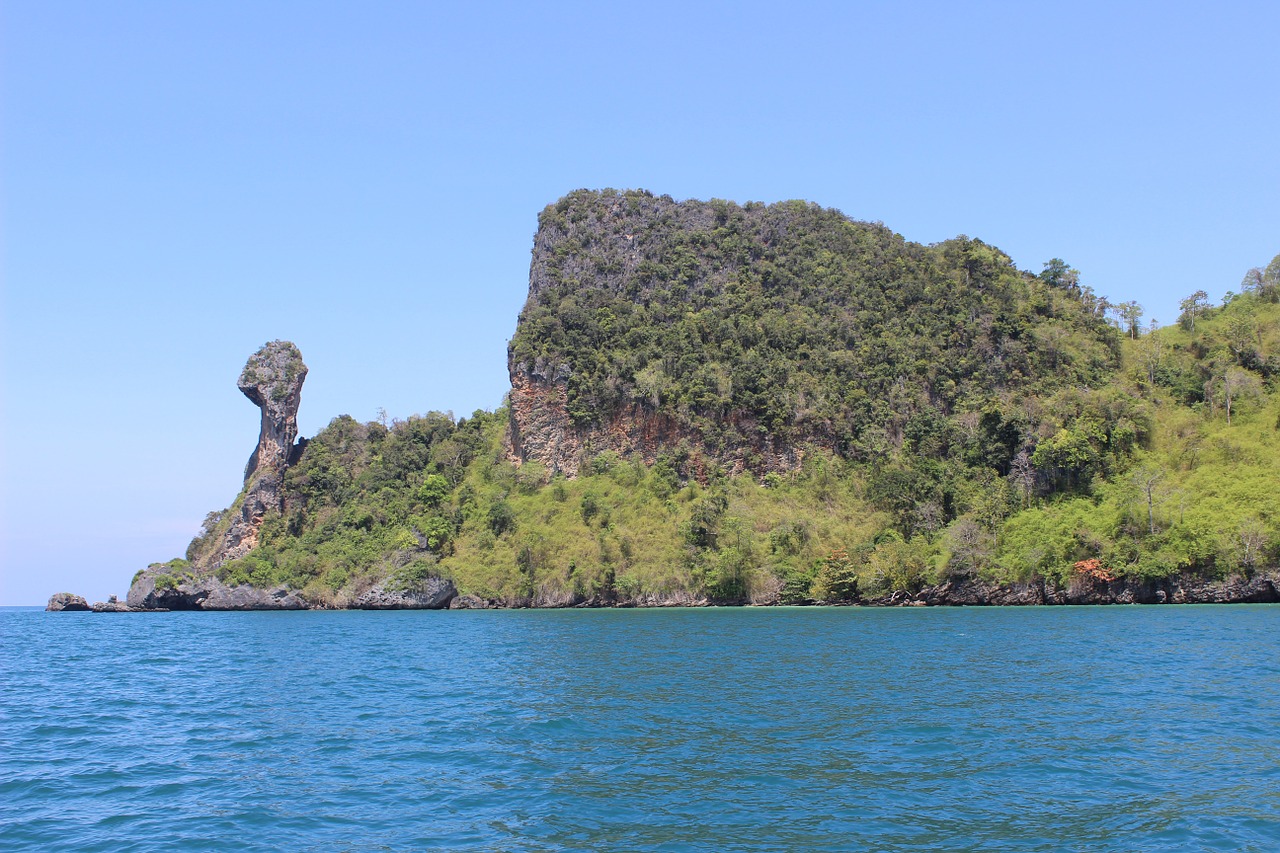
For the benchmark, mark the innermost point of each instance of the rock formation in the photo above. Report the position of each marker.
(1185, 589)
(272, 379)
(541, 430)
(66, 602)
(435, 593)
(156, 589)
(111, 605)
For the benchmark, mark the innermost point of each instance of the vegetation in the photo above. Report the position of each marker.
(958, 418)
(796, 321)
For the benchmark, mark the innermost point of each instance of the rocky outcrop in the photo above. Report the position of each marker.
(157, 589)
(1257, 590)
(974, 592)
(272, 379)
(433, 594)
(674, 599)
(112, 605)
(66, 602)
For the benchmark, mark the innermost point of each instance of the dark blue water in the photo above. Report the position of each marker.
(1123, 728)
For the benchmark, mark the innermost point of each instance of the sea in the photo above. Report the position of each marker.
(711, 729)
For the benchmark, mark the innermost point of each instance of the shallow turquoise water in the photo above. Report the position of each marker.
(1122, 728)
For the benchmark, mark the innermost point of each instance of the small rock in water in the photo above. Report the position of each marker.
(66, 601)
(111, 605)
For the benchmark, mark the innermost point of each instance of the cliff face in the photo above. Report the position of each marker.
(593, 251)
(541, 430)
(272, 380)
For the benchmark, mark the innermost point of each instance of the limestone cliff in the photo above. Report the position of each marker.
(594, 245)
(741, 336)
(541, 430)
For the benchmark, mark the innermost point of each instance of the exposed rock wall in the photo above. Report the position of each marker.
(582, 249)
(541, 430)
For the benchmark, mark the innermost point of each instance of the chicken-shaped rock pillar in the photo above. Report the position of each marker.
(273, 379)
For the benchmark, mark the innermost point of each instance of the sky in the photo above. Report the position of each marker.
(182, 182)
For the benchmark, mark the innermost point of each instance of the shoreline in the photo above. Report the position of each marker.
(211, 595)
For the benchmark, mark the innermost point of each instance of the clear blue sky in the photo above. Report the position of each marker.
(182, 182)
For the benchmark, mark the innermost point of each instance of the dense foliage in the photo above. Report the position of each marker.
(793, 319)
(986, 422)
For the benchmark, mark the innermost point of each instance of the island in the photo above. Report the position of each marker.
(716, 403)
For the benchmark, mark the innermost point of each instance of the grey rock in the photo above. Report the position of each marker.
(1186, 589)
(206, 592)
(1262, 589)
(434, 594)
(111, 605)
(245, 597)
(66, 602)
(674, 599)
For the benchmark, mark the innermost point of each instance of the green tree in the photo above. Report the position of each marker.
(434, 489)
(1192, 307)
(1269, 286)
(1236, 384)
(836, 579)
(1058, 273)
(1130, 314)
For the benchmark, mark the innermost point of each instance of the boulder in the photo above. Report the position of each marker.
(61, 602)
(433, 594)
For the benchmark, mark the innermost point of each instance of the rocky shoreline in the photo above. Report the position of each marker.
(154, 592)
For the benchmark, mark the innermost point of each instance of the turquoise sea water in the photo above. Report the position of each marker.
(1122, 728)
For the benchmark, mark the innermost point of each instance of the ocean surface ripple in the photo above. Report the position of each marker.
(1121, 728)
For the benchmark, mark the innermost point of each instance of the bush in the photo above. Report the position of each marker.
(501, 518)
(836, 579)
